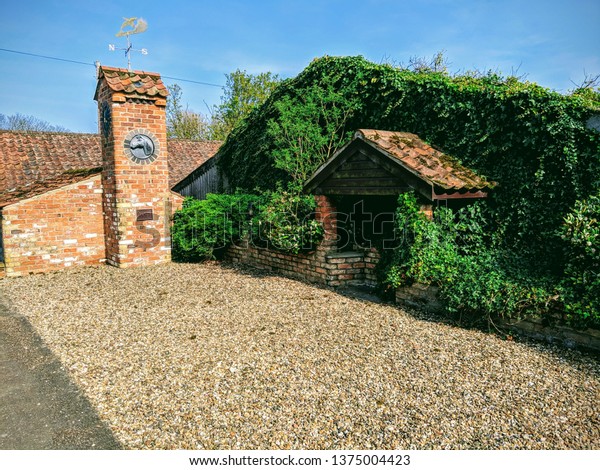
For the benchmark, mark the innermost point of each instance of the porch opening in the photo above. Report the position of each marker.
(365, 222)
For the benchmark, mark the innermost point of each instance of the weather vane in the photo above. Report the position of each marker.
(129, 27)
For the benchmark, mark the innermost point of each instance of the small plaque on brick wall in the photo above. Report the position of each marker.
(143, 215)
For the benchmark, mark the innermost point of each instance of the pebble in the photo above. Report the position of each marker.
(204, 356)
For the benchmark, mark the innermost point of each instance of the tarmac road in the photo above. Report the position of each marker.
(40, 408)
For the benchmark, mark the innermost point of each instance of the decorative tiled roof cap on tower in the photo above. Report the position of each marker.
(138, 84)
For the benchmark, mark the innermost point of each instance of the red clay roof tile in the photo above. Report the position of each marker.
(425, 161)
(34, 162)
(26, 157)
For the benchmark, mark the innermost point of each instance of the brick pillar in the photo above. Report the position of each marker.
(326, 213)
(427, 209)
(135, 177)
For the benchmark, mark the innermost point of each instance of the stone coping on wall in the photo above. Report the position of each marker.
(324, 265)
(426, 298)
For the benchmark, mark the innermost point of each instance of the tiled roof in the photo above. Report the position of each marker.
(137, 83)
(423, 160)
(34, 162)
(27, 157)
(36, 188)
(187, 155)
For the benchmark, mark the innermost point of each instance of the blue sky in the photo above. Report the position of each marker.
(551, 42)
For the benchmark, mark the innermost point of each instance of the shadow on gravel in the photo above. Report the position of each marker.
(40, 408)
(370, 294)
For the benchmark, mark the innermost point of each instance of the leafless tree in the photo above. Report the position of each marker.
(21, 122)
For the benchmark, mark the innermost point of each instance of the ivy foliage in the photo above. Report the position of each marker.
(530, 140)
(307, 130)
(580, 286)
(455, 252)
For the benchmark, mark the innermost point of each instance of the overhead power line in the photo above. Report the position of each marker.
(88, 63)
(45, 56)
(192, 81)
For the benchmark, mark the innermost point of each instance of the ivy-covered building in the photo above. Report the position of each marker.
(356, 191)
(538, 232)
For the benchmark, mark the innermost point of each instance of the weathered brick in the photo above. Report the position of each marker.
(49, 239)
(137, 186)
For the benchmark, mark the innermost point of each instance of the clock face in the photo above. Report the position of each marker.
(141, 147)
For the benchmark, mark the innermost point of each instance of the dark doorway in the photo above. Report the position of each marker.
(365, 222)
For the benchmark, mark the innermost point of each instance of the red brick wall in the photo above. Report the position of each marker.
(324, 266)
(130, 187)
(176, 202)
(55, 230)
(321, 266)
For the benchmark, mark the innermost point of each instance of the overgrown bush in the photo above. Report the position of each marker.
(580, 286)
(279, 220)
(530, 140)
(455, 252)
(202, 229)
(307, 129)
(287, 222)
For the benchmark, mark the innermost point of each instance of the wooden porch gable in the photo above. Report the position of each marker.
(389, 163)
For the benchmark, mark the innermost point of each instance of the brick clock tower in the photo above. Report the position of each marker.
(135, 176)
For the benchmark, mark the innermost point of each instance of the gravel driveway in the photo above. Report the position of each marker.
(207, 357)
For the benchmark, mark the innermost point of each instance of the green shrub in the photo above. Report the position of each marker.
(279, 220)
(287, 222)
(453, 252)
(580, 286)
(203, 229)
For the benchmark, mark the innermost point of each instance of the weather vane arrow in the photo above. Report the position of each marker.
(130, 26)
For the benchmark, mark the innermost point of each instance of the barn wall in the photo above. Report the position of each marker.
(206, 179)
